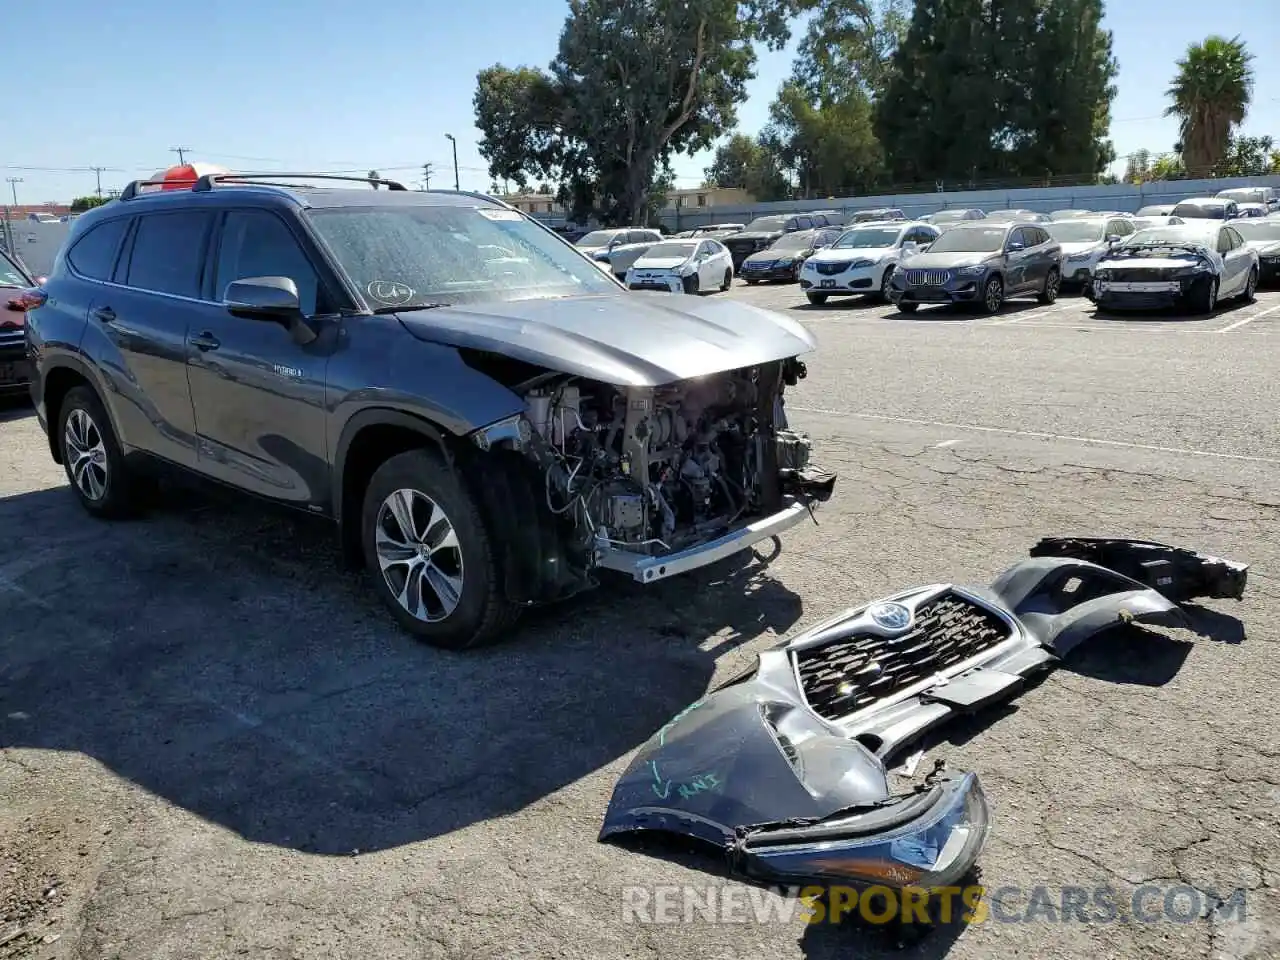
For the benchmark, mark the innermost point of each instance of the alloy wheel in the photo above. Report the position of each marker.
(1250, 285)
(87, 455)
(419, 555)
(1052, 285)
(993, 295)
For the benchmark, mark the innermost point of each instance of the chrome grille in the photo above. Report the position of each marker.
(931, 278)
(846, 675)
(828, 269)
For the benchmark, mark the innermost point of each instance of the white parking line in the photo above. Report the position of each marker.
(947, 443)
(1035, 434)
(1256, 316)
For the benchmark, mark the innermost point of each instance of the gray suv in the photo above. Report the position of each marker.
(982, 264)
(489, 419)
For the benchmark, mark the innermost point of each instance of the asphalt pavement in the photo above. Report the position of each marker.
(216, 745)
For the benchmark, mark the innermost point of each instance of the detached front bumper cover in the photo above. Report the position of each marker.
(783, 768)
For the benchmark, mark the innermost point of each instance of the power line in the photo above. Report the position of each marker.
(181, 152)
(98, 172)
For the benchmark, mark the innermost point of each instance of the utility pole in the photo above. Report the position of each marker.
(426, 176)
(13, 185)
(98, 172)
(449, 137)
(181, 152)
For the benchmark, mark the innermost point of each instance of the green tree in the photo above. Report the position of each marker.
(1246, 157)
(81, 204)
(1022, 88)
(744, 162)
(831, 146)
(1210, 95)
(1137, 168)
(850, 45)
(634, 82)
(1167, 167)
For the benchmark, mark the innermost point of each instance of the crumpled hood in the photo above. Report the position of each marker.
(625, 339)
(1149, 263)
(832, 255)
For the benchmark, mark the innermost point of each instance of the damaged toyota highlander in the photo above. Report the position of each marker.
(490, 419)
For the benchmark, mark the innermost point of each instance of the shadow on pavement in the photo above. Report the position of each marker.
(15, 407)
(219, 657)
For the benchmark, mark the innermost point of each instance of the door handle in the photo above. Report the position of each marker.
(105, 314)
(205, 341)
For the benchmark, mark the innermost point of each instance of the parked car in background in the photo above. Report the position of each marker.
(830, 218)
(762, 231)
(1072, 214)
(598, 240)
(863, 258)
(1196, 265)
(1252, 210)
(1146, 223)
(15, 281)
(682, 266)
(1084, 242)
(717, 229)
(1269, 197)
(1022, 216)
(620, 257)
(1263, 237)
(1156, 210)
(983, 264)
(957, 215)
(878, 214)
(1207, 208)
(783, 258)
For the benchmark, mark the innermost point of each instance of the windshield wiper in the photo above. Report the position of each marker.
(409, 307)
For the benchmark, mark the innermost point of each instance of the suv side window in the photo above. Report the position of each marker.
(1017, 235)
(168, 252)
(94, 254)
(1234, 238)
(256, 243)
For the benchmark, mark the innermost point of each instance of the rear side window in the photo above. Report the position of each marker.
(259, 244)
(94, 254)
(168, 252)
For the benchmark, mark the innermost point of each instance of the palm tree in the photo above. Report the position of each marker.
(1210, 94)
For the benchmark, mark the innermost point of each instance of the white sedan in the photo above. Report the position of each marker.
(683, 266)
(862, 259)
(1084, 242)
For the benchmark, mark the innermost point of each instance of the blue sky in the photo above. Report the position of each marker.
(336, 85)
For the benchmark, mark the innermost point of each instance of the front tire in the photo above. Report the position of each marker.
(882, 295)
(1052, 287)
(1205, 296)
(752, 283)
(817, 299)
(908, 307)
(92, 456)
(691, 284)
(992, 296)
(430, 555)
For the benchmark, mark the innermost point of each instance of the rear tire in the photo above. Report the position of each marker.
(93, 459)
(1052, 287)
(1250, 287)
(439, 577)
(817, 299)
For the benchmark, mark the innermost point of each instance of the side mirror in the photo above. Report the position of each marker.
(269, 298)
(910, 246)
(1015, 247)
(1113, 238)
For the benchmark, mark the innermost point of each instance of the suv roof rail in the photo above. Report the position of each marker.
(210, 180)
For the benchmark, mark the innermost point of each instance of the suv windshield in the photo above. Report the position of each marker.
(1201, 211)
(970, 240)
(868, 237)
(766, 225)
(1076, 231)
(411, 256)
(599, 238)
(1259, 229)
(668, 250)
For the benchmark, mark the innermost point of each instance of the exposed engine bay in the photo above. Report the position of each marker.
(653, 470)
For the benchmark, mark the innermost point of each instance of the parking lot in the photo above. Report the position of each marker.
(216, 744)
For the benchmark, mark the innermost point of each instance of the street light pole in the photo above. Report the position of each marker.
(455, 160)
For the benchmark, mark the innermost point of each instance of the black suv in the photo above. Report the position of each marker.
(761, 232)
(490, 419)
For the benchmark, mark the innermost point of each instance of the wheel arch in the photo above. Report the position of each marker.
(368, 439)
(59, 379)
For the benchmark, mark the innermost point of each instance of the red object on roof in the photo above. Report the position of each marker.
(183, 176)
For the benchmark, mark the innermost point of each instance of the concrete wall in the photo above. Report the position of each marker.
(1124, 197)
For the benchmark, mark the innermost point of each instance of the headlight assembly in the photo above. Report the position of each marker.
(809, 265)
(859, 264)
(928, 840)
(974, 271)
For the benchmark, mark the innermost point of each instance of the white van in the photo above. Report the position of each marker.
(1268, 196)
